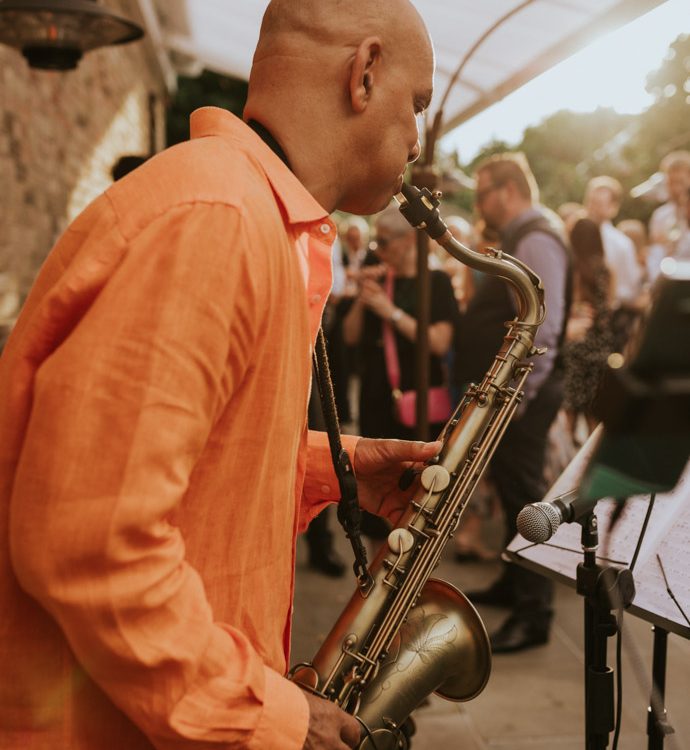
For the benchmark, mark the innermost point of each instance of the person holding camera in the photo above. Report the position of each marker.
(383, 323)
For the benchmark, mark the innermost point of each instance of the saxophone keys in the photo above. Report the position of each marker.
(435, 478)
(400, 541)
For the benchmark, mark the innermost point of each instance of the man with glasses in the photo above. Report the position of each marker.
(507, 200)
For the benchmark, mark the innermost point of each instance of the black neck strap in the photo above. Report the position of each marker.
(270, 141)
(349, 512)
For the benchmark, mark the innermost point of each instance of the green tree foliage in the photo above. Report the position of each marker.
(665, 126)
(495, 146)
(209, 89)
(568, 148)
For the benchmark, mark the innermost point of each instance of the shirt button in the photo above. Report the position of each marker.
(325, 228)
(315, 299)
(325, 489)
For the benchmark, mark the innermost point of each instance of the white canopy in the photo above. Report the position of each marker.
(501, 44)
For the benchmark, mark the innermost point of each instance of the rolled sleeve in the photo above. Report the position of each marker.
(285, 717)
(320, 482)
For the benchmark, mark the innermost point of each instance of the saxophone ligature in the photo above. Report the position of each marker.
(410, 635)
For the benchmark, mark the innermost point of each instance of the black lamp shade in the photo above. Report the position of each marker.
(53, 34)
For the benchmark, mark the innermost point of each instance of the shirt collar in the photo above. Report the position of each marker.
(299, 204)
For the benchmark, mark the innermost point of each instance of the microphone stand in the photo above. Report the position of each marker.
(657, 723)
(604, 588)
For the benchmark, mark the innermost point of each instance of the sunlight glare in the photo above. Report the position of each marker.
(610, 72)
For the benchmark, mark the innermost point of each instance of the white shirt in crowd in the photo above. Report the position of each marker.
(621, 258)
(667, 221)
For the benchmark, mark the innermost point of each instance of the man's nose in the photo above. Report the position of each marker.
(414, 154)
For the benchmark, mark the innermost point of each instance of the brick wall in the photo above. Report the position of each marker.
(60, 134)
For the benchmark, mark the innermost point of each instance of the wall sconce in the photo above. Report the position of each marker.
(54, 34)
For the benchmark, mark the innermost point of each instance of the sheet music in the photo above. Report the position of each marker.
(667, 535)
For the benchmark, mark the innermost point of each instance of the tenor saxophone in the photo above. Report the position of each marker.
(405, 635)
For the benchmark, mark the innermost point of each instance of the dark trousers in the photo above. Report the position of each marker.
(319, 536)
(518, 471)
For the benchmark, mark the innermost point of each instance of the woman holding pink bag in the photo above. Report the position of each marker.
(383, 323)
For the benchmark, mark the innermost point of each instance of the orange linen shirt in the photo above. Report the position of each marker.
(153, 453)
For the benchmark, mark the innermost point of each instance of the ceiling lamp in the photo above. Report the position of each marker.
(54, 34)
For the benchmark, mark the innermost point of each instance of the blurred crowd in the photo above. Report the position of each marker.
(597, 272)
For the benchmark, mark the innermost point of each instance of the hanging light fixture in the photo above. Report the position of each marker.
(54, 34)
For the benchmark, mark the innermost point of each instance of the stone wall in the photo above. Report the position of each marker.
(60, 134)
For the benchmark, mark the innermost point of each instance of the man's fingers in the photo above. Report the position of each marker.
(351, 731)
(376, 455)
(330, 728)
(408, 450)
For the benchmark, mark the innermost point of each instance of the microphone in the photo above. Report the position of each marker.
(538, 522)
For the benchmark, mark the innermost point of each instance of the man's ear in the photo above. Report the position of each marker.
(363, 72)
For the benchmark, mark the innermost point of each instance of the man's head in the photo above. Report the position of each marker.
(396, 240)
(340, 85)
(603, 196)
(354, 233)
(505, 188)
(569, 212)
(676, 168)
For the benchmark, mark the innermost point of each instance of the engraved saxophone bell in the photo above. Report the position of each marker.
(443, 647)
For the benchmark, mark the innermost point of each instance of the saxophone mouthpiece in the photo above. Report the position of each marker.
(420, 208)
(407, 194)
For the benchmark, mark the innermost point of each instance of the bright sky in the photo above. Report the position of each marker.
(611, 72)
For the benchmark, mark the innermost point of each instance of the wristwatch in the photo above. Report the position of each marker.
(396, 315)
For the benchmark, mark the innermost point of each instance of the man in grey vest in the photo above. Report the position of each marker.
(507, 199)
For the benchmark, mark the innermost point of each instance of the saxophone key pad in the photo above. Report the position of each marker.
(400, 541)
(435, 478)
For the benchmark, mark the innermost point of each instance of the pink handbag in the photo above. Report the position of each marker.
(439, 406)
(405, 402)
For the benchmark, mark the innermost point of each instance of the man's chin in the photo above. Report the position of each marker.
(372, 201)
(374, 205)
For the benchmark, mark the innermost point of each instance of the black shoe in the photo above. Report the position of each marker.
(328, 563)
(517, 634)
(499, 594)
(408, 729)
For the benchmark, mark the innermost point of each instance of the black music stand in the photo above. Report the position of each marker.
(642, 449)
(605, 588)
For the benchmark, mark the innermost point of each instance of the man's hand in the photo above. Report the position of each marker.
(378, 465)
(375, 298)
(330, 728)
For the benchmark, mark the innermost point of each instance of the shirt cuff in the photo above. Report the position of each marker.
(285, 718)
(320, 483)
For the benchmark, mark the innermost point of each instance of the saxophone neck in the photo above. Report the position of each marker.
(421, 209)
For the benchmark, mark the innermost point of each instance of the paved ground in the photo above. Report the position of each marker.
(534, 699)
